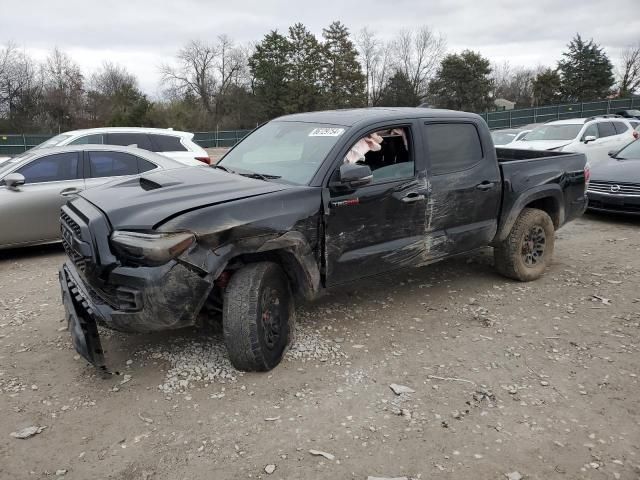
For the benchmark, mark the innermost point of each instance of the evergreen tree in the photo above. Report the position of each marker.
(343, 79)
(399, 92)
(269, 66)
(586, 71)
(304, 66)
(547, 88)
(462, 82)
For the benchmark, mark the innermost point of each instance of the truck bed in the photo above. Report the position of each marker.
(514, 155)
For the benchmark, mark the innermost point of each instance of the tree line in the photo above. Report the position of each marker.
(224, 85)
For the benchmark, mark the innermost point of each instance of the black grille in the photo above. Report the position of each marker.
(78, 260)
(69, 222)
(610, 206)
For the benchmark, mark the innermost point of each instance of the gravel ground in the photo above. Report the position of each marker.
(449, 371)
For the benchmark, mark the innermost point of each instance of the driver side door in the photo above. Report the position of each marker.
(380, 226)
(30, 213)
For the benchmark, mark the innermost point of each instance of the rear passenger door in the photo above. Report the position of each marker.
(462, 212)
(104, 166)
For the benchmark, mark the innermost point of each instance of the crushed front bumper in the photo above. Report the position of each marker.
(159, 298)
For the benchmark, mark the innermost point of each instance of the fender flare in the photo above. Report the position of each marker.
(540, 192)
(292, 251)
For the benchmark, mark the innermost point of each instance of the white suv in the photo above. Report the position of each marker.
(593, 136)
(176, 145)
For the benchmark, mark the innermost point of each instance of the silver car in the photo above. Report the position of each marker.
(34, 185)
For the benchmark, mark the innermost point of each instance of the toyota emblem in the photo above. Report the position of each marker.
(615, 188)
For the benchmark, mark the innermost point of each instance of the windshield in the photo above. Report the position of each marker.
(292, 151)
(635, 113)
(53, 142)
(630, 152)
(8, 164)
(554, 132)
(502, 138)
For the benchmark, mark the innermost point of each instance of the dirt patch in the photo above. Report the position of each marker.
(505, 379)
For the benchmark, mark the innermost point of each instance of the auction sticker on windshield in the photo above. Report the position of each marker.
(326, 132)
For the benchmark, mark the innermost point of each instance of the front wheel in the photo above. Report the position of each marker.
(258, 317)
(526, 252)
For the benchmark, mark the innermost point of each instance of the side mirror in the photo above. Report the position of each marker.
(589, 138)
(355, 175)
(612, 153)
(14, 180)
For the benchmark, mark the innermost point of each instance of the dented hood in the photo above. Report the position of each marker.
(141, 203)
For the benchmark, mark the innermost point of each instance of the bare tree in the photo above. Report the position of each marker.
(376, 59)
(20, 84)
(63, 89)
(205, 71)
(417, 55)
(629, 71)
(513, 83)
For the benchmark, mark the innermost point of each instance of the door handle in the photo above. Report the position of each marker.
(68, 192)
(485, 185)
(413, 197)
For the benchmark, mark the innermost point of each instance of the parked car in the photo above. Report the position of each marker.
(507, 135)
(615, 184)
(173, 144)
(629, 113)
(307, 202)
(593, 136)
(34, 185)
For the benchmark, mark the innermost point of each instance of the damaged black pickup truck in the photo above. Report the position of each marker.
(305, 203)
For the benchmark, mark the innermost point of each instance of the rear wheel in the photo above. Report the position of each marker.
(526, 252)
(258, 316)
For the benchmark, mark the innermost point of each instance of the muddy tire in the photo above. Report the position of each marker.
(258, 317)
(527, 251)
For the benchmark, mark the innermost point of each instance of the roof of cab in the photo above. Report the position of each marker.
(354, 116)
(163, 131)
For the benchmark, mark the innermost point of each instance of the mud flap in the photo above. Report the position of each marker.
(81, 324)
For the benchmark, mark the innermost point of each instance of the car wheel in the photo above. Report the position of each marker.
(258, 317)
(526, 252)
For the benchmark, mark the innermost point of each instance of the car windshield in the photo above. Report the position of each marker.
(630, 152)
(54, 141)
(502, 138)
(634, 113)
(9, 163)
(290, 151)
(554, 132)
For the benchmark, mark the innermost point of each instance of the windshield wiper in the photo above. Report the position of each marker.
(224, 169)
(259, 176)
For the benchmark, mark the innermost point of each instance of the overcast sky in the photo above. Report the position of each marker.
(142, 34)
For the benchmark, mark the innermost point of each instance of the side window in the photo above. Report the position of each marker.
(591, 130)
(387, 152)
(112, 164)
(141, 140)
(620, 127)
(95, 139)
(144, 166)
(52, 168)
(605, 129)
(166, 143)
(452, 147)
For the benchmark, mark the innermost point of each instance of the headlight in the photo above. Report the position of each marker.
(151, 248)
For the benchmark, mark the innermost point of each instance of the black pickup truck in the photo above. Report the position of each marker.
(305, 203)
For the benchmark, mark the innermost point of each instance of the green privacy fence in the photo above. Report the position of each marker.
(12, 144)
(524, 116)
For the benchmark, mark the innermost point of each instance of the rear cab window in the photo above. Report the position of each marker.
(452, 147)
